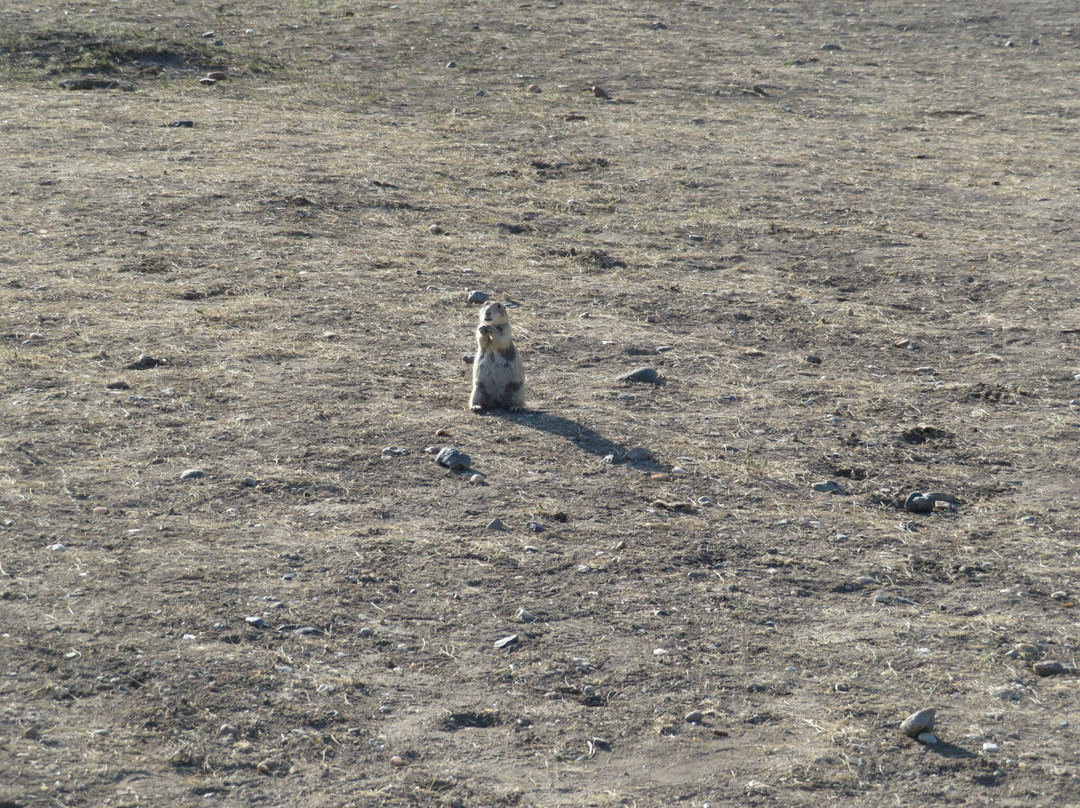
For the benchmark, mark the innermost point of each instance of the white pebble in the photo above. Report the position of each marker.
(927, 738)
(990, 747)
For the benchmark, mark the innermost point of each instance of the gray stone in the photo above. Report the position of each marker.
(453, 459)
(193, 474)
(1048, 667)
(476, 296)
(643, 374)
(829, 487)
(918, 502)
(496, 524)
(505, 642)
(918, 723)
(639, 454)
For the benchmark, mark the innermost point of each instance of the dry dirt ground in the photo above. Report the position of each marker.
(843, 234)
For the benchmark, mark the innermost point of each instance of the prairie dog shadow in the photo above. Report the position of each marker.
(578, 434)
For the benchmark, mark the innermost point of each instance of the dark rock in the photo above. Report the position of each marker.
(453, 459)
(643, 374)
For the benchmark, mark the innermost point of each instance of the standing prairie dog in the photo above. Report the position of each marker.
(498, 376)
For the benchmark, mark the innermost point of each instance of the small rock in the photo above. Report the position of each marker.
(250, 482)
(453, 459)
(58, 547)
(218, 75)
(831, 47)
(533, 88)
(208, 35)
(990, 747)
(600, 92)
(829, 487)
(918, 723)
(367, 631)
(228, 730)
(694, 717)
(496, 524)
(940, 496)
(257, 622)
(524, 616)
(145, 362)
(841, 687)
(101, 511)
(436, 229)
(32, 733)
(1048, 667)
(393, 451)
(477, 296)
(477, 479)
(505, 642)
(119, 384)
(927, 738)
(814, 360)
(480, 93)
(638, 455)
(451, 64)
(535, 527)
(397, 760)
(207, 81)
(917, 502)
(643, 374)
(193, 474)
(1026, 651)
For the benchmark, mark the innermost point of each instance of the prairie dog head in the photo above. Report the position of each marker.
(494, 328)
(494, 314)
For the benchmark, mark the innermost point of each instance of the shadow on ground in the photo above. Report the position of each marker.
(580, 435)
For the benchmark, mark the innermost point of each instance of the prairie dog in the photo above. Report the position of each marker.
(498, 376)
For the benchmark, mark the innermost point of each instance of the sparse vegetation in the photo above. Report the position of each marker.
(852, 264)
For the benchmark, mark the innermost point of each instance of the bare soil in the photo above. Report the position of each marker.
(843, 235)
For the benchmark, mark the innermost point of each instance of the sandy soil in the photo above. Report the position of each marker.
(844, 237)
